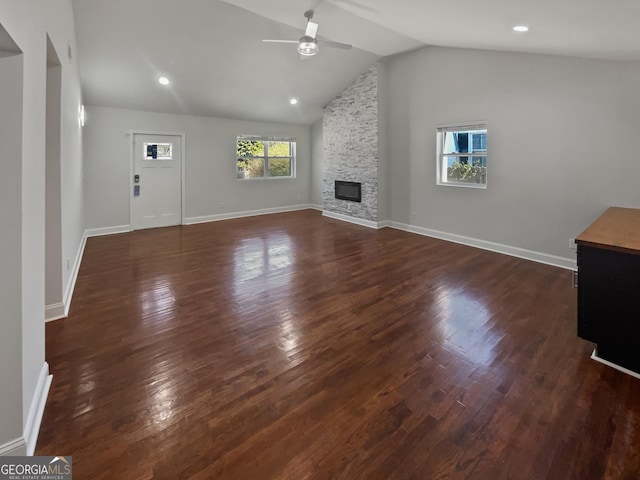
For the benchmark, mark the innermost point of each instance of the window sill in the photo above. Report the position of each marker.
(480, 186)
(264, 178)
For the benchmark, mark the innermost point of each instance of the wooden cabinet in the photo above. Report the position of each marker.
(609, 286)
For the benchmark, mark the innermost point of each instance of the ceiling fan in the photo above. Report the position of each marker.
(308, 43)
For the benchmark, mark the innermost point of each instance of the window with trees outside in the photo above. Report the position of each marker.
(462, 155)
(265, 157)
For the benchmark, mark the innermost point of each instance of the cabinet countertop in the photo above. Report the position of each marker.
(616, 229)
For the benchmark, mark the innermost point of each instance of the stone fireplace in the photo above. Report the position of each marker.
(351, 138)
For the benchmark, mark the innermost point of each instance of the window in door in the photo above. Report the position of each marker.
(157, 151)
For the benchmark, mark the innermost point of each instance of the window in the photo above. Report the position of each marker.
(265, 157)
(158, 151)
(462, 155)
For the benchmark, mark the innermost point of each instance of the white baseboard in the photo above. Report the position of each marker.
(71, 284)
(97, 232)
(15, 448)
(248, 213)
(313, 206)
(54, 312)
(58, 311)
(539, 257)
(36, 409)
(357, 221)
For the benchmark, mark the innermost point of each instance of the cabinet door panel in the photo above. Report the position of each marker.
(608, 296)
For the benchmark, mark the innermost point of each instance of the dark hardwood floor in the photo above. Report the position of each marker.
(294, 346)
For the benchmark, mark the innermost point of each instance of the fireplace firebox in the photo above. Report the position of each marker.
(351, 191)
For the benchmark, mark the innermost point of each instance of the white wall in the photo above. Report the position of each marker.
(211, 185)
(62, 33)
(561, 143)
(53, 225)
(10, 248)
(28, 22)
(316, 164)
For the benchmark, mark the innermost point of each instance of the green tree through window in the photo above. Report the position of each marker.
(266, 157)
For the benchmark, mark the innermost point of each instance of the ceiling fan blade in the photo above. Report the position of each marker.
(280, 41)
(312, 29)
(343, 46)
(354, 3)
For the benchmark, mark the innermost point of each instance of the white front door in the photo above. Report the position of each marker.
(157, 181)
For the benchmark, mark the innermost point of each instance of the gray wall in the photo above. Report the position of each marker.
(561, 143)
(53, 225)
(10, 248)
(316, 164)
(28, 23)
(211, 185)
(383, 142)
(350, 146)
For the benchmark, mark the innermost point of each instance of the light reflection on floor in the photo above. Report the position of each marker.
(465, 325)
(158, 297)
(268, 260)
(162, 404)
(264, 258)
(288, 340)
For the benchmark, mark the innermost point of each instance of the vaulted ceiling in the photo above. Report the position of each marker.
(212, 50)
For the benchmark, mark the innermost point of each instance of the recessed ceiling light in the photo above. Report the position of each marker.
(163, 81)
(293, 101)
(521, 28)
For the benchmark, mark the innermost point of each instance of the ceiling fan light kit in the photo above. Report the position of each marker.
(307, 46)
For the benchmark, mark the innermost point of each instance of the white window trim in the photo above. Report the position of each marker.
(266, 157)
(441, 129)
